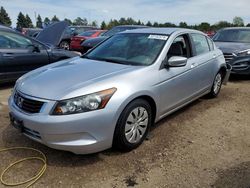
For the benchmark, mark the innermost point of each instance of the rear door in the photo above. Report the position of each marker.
(205, 58)
(19, 55)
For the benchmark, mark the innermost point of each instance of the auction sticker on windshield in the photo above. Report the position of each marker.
(158, 37)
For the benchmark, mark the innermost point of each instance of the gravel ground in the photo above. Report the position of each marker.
(206, 144)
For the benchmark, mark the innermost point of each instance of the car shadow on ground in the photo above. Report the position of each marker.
(12, 138)
(236, 176)
(239, 78)
(7, 85)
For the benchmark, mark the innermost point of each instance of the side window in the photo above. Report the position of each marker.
(211, 44)
(200, 44)
(180, 47)
(4, 42)
(13, 41)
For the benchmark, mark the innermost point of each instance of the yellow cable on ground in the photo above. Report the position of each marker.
(32, 180)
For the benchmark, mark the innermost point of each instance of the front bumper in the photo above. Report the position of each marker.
(240, 65)
(83, 133)
(228, 72)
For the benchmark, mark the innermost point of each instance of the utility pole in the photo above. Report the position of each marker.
(35, 19)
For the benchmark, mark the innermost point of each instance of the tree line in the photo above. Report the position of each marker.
(24, 21)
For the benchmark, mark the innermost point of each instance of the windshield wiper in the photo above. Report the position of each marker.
(109, 60)
(112, 61)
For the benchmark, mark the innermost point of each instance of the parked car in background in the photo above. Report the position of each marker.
(90, 43)
(235, 44)
(31, 32)
(20, 54)
(210, 33)
(72, 31)
(76, 41)
(113, 94)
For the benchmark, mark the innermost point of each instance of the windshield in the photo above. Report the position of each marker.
(115, 30)
(233, 35)
(129, 49)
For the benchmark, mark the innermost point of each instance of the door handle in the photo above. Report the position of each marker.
(8, 55)
(193, 65)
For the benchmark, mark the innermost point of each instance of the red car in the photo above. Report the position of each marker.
(76, 41)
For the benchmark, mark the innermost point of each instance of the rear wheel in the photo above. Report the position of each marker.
(133, 125)
(216, 85)
(64, 45)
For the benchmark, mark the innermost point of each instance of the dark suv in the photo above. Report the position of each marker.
(235, 45)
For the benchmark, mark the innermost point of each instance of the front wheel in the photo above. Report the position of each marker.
(216, 85)
(133, 125)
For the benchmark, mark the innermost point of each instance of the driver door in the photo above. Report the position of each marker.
(178, 84)
(19, 56)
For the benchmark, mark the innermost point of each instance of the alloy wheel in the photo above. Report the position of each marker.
(217, 83)
(136, 125)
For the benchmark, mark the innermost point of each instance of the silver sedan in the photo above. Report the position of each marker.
(114, 93)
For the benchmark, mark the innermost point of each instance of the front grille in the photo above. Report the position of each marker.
(27, 105)
(228, 57)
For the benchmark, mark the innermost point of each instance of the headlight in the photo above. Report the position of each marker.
(244, 53)
(84, 103)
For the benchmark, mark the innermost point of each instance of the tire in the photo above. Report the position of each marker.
(215, 90)
(133, 125)
(64, 45)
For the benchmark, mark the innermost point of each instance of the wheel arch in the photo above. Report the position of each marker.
(223, 70)
(152, 104)
(147, 97)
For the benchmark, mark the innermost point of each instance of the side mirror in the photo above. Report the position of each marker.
(36, 48)
(176, 61)
(33, 48)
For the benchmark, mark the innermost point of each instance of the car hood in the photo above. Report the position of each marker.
(57, 80)
(92, 42)
(52, 34)
(232, 47)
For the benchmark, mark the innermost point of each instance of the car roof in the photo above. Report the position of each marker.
(95, 30)
(80, 26)
(236, 28)
(5, 27)
(161, 30)
(135, 26)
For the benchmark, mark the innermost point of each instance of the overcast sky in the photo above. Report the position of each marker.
(190, 11)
